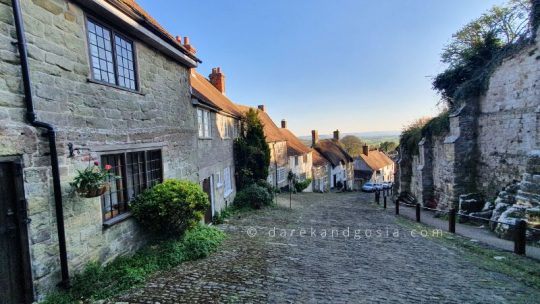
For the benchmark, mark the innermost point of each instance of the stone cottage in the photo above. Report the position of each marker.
(89, 81)
(278, 169)
(373, 166)
(299, 156)
(218, 121)
(342, 168)
(321, 169)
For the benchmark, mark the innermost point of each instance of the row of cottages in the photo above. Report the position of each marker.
(373, 166)
(339, 164)
(86, 81)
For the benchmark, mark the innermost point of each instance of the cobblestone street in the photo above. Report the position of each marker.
(379, 262)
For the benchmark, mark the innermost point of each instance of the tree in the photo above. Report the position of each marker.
(352, 144)
(388, 146)
(507, 23)
(252, 154)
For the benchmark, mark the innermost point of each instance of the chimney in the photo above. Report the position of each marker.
(365, 149)
(284, 123)
(188, 46)
(314, 138)
(336, 135)
(261, 107)
(218, 79)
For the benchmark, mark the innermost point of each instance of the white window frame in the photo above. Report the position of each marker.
(204, 120)
(227, 181)
(217, 179)
(281, 174)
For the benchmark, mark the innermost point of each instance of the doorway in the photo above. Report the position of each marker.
(207, 187)
(15, 278)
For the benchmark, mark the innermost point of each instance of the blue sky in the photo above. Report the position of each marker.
(352, 65)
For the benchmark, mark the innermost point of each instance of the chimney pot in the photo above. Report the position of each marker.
(284, 123)
(314, 138)
(262, 108)
(179, 39)
(187, 45)
(186, 40)
(336, 135)
(217, 79)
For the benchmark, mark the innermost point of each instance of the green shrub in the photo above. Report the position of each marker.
(98, 282)
(302, 185)
(171, 208)
(253, 196)
(201, 241)
(271, 189)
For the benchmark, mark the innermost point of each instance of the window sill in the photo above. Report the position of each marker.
(205, 138)
(90, 80)
(228, 193)
(117, 219)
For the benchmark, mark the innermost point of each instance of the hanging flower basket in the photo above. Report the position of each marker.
(93, 181)
(93, 192)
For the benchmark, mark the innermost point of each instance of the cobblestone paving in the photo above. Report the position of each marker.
(393, 267)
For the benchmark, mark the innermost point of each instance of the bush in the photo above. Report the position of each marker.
(302, 185)
(253, 196)
(201, 241)
(171, 208)
(101, 282)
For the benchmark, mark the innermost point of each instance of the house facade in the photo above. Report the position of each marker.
(341, 163)
(300, 157)
(218, 124)
(106, 83)
(373, 166)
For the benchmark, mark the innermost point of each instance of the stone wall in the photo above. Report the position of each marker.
(489, 140)
(214, 155)
(87, 115)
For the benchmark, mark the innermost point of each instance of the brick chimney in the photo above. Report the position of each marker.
(217, 78)
(261, 107)
(336, 135)
(284, 123)
(314, 138)
(365, 150)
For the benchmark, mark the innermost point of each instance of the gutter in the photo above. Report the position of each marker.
(50, 133)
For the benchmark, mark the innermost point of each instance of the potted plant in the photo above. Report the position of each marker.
(93, 181)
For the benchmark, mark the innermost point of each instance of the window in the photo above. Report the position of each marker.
(217, 178)
(228, 183)
(296, 160)
(137, 171)
(111, 56)
(281, 174)
(228, 127)
(205, 127)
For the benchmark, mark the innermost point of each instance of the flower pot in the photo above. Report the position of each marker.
(93, 192)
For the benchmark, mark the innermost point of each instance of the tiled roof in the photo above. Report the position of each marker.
(271, 131)
(294, 145)
(376, 159)
(333, 152)
(203, 87)
(318, 159)
(135, 8)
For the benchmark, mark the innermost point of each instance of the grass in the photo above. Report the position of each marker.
(522, 269)
(98, 282)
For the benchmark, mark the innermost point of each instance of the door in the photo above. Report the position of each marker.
(15, 280)
(207, 187)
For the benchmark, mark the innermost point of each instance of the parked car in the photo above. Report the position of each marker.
(379, 187)
(368, 187)
(387, 185)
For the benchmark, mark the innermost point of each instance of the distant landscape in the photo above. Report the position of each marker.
(370, 138)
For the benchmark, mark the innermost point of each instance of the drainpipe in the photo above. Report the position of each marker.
(51, 134)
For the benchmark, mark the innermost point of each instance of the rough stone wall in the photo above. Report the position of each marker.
(278, 159)
(214, 155)
(442, 166)
(509, 120)
(87, 115)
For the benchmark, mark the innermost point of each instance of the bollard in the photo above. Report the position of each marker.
(384, 205)
(520, 237)
(452, 220)
(397, 206)
(377, 197)
(418, 212)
